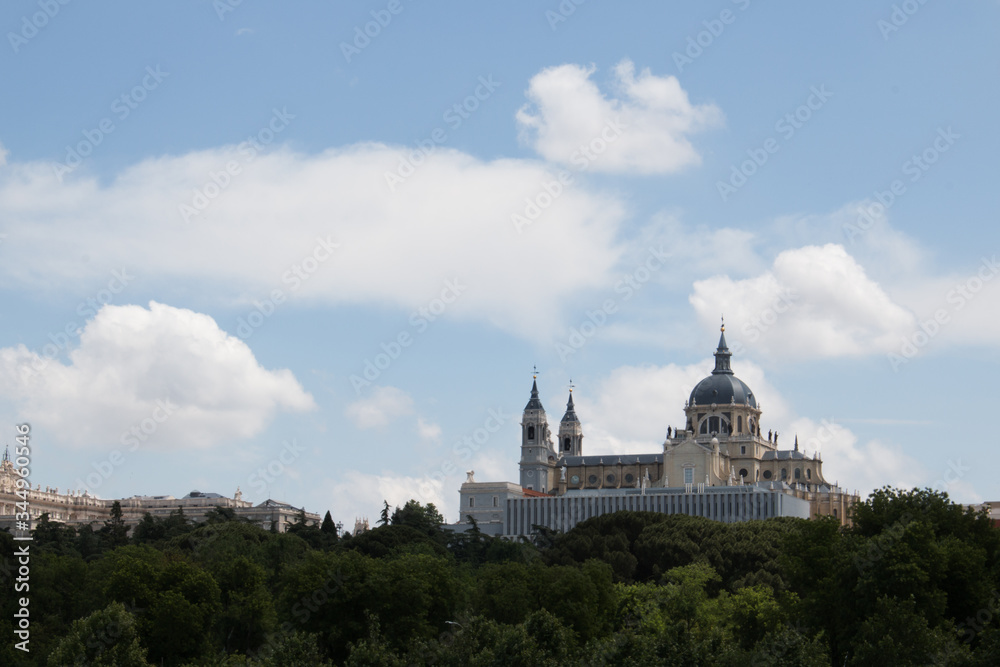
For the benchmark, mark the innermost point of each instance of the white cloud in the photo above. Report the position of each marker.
(813, 302)
(428, 430)
(171, 373)
(568, 111)
(629, 411)
(360, 495)
(357, 494)
(857, 467)
(450, 220)
(384, 405)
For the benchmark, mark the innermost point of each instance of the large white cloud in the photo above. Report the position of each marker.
(815, 301)
(162, 377)
(282, 213)
(629, 411)
(567, 111)
(384, 405)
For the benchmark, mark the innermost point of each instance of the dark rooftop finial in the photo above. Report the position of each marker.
(722, 355)
(534, 403)
(570, 415)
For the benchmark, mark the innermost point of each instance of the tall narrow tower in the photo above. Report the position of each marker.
(538, 457)
(570, 431)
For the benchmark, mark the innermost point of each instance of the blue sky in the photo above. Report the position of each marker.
(267, 199)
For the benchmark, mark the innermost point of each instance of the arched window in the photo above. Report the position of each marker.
(566, 444)
(531, 433)
(713, 425)
(809, 473)
(798, 473)
(784, 473)
(739, 423)
(689, 475)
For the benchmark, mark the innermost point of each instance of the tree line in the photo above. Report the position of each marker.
(913, 581)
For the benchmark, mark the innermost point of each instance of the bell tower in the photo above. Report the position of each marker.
(538, 456)
(570, 431)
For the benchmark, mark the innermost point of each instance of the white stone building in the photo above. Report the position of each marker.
(720, 465)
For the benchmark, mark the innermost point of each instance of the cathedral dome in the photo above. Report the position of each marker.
(722, 387)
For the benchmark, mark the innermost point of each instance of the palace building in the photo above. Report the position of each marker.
(721, 465)
(80, 508)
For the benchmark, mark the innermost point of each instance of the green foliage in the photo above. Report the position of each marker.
(914, 581)
(424, 518)
(105, 638)
(114, 534)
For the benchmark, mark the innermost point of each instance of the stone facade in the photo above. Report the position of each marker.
(80, 508)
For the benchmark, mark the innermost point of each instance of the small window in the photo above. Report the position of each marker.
(592, 479)
(704, 427)
(809, 473)
(566, 442)
(689, 475)
(784, 473)
(743, 449)
(767, 474)
(531, 433)
(739, 423)
(798, 473)
(834, 512)
(629, 478)
(610, 479)
(496, 501)
(472, 502)
(743, 473)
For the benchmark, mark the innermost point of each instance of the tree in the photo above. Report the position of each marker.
(108, 637)
(53, 536)
(221, 514)
(384, 516)
(424, 518)
(328, 526)
(115, 533)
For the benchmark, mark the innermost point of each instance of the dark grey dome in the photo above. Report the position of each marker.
(722, 389)
(722, 386)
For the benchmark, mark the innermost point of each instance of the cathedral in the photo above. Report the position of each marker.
(720, 465)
